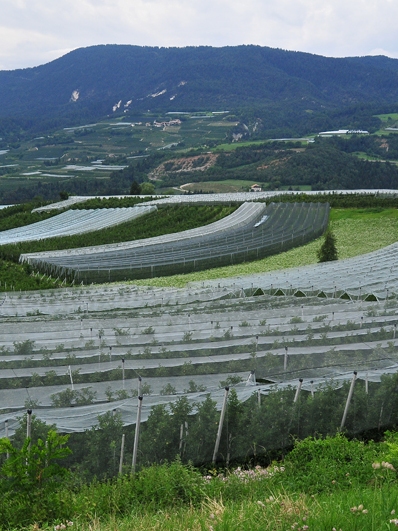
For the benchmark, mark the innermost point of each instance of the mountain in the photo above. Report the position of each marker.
(283, 87)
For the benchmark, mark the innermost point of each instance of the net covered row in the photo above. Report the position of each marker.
(261, 231)
(73, 222)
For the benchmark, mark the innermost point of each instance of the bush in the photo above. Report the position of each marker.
(316, 465)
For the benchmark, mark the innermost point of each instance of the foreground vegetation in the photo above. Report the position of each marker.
(323, 484)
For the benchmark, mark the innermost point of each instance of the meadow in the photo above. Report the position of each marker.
(357, 231)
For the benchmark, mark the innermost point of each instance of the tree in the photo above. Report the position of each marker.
(147, 189)
(328, 251)
(135, 188)
(63, 195)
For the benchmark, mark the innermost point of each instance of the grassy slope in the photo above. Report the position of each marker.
(357, 231)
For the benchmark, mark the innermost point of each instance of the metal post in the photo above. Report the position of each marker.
(122, 454)
(312, 388)
(367, 384)
(222, 415)
(298, 390)
(258, 397)
(123, 371)
(347, 405)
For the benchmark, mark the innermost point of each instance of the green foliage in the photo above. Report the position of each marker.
(328, 250)
(315, 465)
(30, 479)
(24, 348)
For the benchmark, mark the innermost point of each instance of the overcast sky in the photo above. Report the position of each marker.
(34, 32)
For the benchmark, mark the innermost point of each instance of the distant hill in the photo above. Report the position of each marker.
(290, 91)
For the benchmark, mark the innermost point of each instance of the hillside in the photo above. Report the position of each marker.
(292, 90)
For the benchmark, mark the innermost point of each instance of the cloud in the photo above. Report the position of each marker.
(36, 31)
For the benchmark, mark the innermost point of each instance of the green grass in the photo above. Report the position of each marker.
(385, 117)
(357, 231)
(352, 495)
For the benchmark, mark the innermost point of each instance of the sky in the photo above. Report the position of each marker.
(34, 32)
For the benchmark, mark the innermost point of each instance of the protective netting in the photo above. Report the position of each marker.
(254, 231)
(86, 357)
(73, 222)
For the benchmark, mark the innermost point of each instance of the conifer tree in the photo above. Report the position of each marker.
(328, 250)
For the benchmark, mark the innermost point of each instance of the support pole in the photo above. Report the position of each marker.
(123, 371)
(312, 388)
(122, 454)
(137, 433)
(222, 415)
(347, 405)
(298, 390)
(71, 379)
(6, 428)
(285, 360)
(28, 423)
(258, 398)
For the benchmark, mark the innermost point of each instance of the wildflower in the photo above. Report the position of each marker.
(260, 503)
(376, 466)
(394, 521)
(354, 509)
(364, 511)
(360, 507)
(393, 511)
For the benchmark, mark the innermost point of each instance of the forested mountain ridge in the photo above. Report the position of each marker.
(282, 86)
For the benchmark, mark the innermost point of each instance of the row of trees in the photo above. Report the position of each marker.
(254, 431)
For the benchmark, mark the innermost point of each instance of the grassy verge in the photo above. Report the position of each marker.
(323, 485)
(357, 231)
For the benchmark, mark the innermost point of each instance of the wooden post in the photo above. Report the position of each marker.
(71, 379)
(347, 405)
(137, 433)
(6, 428)
(122, 454)
(222, 415)
(29, 423)
(298, 390)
